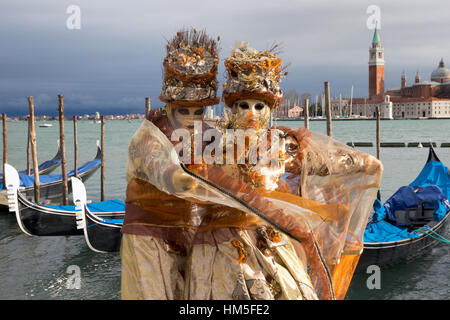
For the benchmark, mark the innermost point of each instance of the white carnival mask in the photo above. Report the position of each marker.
(252, 107)
(186, 116)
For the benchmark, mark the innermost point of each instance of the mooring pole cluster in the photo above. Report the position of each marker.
(306, 113)
(147, 106)
(75, 146)
(5, 146)
(32, 149)
(37, 194)
(378, 142)
(62, 141)
(29, 150)
(328, 109)
(102, 167)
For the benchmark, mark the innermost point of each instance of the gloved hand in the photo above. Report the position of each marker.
(182, 182)
(372, 165)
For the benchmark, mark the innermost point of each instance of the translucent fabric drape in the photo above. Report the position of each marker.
(326, 222)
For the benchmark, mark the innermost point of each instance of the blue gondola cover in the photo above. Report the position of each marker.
(432, 185)
(114, 205)
(43, 166)
(28, 181)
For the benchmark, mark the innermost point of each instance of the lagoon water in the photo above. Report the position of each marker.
(38, 268)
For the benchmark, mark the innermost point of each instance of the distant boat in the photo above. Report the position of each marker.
(97, 117)
(46, 125)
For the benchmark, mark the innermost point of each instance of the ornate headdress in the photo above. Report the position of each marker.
(190, 70)
(253, 74)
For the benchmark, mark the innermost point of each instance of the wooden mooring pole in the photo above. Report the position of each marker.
(37, 192)
(378, 142)
(328, 108)
(62, 141)
(306, 113)
(147, 106)
(29, 149)
(75, 146)
(5, 147)
(102, 171)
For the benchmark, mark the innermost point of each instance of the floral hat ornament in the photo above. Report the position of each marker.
(190, 69)
(253, 74)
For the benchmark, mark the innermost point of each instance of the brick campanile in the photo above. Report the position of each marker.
(376, 66)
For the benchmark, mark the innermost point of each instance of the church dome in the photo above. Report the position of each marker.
(441, 73)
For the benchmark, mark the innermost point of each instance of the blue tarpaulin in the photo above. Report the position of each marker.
(28, 181)
(434, 173)
(114, 205)
(43, 166)
(409, 197)
(431, 185)
(383, 231)
(114, 221)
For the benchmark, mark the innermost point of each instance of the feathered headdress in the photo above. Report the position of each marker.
(253, 74)
(190, 69)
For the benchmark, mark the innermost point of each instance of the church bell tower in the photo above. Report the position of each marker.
(376, 66)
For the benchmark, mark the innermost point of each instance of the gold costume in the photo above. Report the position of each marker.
(199, 244)
(241, 231)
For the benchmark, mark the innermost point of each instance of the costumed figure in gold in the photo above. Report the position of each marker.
(286, 226)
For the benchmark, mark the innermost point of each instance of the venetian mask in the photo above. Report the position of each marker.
(185, 117)
(255, 112)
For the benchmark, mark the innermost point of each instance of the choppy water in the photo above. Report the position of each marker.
(37, 268)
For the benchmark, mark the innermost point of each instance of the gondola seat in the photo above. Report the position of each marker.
(418, 216)
(407, 209)
(413, 206)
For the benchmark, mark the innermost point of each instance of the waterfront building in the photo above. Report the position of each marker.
(282, 112)
(421, 99)
(376, 67)
(340, 107)
(209, 112)
(386, 108)
(287, 110)
(295, 112)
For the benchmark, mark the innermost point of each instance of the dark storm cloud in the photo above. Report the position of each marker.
(114, 60)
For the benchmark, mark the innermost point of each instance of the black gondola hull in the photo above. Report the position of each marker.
(46, 170)
(43, 223)
(103, 237)
(45, 167)
(389, 254)
(50, 191)
(53, 191)
(38, 220)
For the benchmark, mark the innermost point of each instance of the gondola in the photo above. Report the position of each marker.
(51, 184)
(45, 220)
(44, 168)
(102, 232)
(38, 219)
(416, 229)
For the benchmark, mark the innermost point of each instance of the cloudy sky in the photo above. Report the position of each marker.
(114, 60)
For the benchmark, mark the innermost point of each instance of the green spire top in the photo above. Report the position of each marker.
(376, 37)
